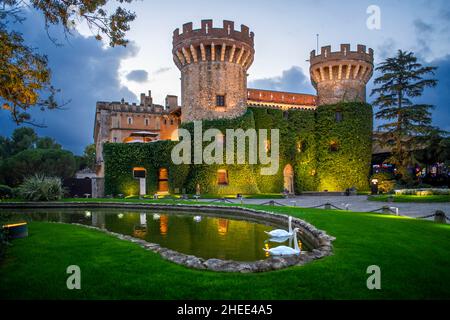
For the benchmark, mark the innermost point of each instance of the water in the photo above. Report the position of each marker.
(205, 236)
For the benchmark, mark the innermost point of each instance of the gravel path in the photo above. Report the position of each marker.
(358, 203)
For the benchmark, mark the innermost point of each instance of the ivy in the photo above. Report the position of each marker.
(305, 143)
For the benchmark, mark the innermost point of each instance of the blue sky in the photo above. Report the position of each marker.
(285, 33)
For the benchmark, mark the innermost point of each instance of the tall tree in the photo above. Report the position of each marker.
(25, 78)
(47, 143)
(406, 124)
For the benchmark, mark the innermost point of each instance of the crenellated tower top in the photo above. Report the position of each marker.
(341, 75)
(213, 44)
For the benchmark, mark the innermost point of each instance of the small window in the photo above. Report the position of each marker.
(130, 120)
(334, 146)
(165, 121)
(146, 122)
(171, 122)
(222, 177)
(139, 172)
(115, 139)
(220, 101)
(339, 116)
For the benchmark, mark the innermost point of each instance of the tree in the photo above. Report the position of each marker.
(407, 125)
(47, 143)
(89, 156)
(22, 139)
(49, 162)
(25, 78)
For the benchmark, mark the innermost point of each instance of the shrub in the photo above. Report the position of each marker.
(5, 192)
(41, 188)
(386, 181)
(423, 192)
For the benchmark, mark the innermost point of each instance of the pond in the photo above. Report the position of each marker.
(202, 235)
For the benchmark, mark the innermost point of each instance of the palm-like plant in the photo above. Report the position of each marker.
(41, 188)
(407, 125)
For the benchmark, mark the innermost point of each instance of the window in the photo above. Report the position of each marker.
(334, 146)
(222, 177)
(171, 122)
(220, 101)
(130, 120)
(146, 121)
(165, 121)
(339, 116)
(139, 172)
(115, 139)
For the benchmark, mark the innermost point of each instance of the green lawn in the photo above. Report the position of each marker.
(411, 198)
(414, 257)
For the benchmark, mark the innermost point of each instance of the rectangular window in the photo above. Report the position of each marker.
(339, 116)
(222, 177)
(220, 101)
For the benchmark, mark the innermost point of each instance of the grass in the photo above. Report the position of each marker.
(413, 255)
(411, 198)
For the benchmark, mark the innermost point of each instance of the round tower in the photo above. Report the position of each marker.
(341, 75)
(213, 64)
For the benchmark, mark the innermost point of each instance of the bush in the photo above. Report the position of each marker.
(423, 192)
(41, 188)
(386, 181)
(5, 192)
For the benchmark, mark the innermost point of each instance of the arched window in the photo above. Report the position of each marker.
(130, 120)
(334, 146)
(146, 122)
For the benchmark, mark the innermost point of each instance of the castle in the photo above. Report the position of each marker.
(214, 62)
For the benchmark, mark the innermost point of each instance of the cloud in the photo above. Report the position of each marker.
(137, 76)
(387, 48)
(161, 70)
(291, 80)
(85, 72)
(422, 27)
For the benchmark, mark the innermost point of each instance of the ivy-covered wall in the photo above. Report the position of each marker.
(344, 148)
(241, 177)
(120, 159)
(306, 139)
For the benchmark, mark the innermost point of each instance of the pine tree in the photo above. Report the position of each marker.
(406, 125)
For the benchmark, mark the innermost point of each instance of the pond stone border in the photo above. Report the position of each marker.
(320, 241)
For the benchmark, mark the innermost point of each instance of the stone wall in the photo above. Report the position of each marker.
(203, 81)
(341, 76)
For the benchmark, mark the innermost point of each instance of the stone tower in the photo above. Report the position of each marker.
(213, 64)
(341, 75)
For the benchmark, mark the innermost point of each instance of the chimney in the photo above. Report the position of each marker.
(171, 102)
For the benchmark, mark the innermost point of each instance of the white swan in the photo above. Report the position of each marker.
(279, 233)
(197, 218)
(278, 239)
(285, 250)
(156, 216)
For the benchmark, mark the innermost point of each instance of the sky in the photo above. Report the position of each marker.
(88, 71)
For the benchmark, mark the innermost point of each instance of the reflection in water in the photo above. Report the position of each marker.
(98, 219)
(163, 224)
(222, 226)
(143, 219)
(267, 254)
(200, 235)
(140, 231)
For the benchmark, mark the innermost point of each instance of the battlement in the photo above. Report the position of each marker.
(341, 75)
(207, 30)
(344, 53)
(213, 44)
